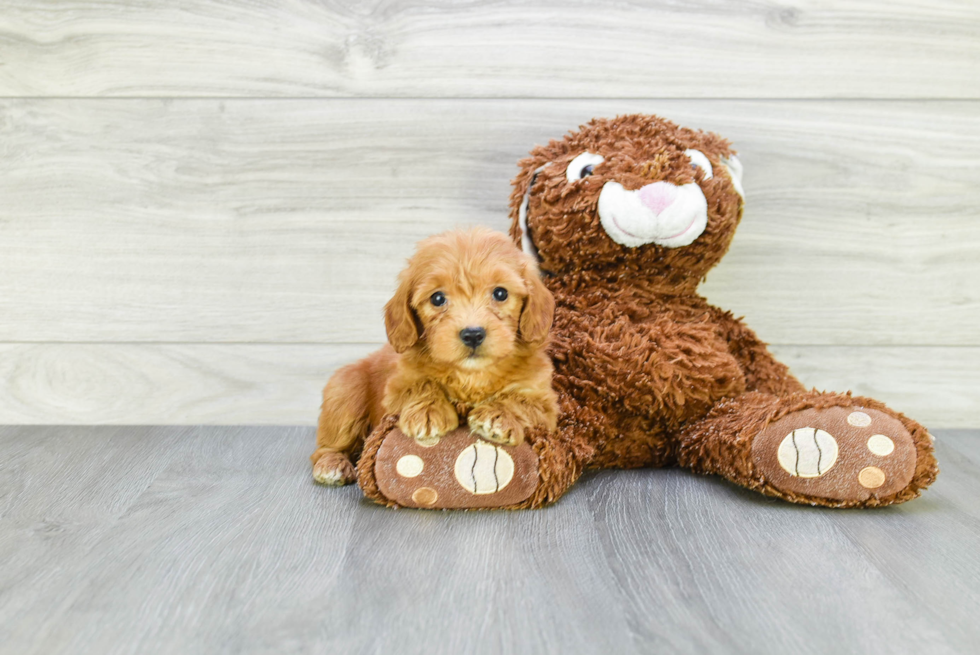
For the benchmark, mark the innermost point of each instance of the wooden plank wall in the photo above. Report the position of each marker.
(205, 204)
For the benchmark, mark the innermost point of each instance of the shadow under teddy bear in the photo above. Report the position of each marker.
(626, 216)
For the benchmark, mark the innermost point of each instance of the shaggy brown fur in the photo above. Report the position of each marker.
(427, 375)
(647, 372)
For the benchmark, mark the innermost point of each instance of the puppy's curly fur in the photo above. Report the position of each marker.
(467, 332)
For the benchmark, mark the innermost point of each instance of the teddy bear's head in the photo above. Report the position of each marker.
(635, 194)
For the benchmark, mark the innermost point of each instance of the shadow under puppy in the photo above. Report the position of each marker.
(467, 331)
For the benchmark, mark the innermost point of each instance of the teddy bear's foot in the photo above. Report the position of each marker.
(462, 471)
(836, 453)
(817, 448)
(459, 471)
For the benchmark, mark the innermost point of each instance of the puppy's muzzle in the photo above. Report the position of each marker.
(472, 336)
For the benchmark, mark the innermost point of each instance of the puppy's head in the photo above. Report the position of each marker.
(469, 298)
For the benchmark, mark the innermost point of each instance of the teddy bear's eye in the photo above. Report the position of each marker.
(582, 166)
(438, 299)
(698, 160)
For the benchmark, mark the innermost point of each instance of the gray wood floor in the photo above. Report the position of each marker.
(214, 540)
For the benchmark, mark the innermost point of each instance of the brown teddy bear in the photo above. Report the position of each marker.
(626, 216)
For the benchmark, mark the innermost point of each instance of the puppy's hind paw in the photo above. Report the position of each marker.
(334, 470)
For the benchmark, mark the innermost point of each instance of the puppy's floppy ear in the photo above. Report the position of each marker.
(539, 308)
(400, 322)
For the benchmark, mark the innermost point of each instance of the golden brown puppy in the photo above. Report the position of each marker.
(467, 330)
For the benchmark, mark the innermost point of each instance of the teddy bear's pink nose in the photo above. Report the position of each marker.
(658, 196)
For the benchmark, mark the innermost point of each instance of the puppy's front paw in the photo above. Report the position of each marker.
(497, 425)
(427, 423)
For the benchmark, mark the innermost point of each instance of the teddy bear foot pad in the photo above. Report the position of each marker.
(837, 453)
(460, 471)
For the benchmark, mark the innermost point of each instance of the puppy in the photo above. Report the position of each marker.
(467, 330)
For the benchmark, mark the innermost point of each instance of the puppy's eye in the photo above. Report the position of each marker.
(582, 166)
(438, 299)
(698, 160)
(500, 294)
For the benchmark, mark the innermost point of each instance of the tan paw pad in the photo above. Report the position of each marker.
(484, 468)
(807, 452)
(409, 466)
(871, 477)
(881, 445)
(425, 496)
(427, 440)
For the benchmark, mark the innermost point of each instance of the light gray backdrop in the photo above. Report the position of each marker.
(204, 204)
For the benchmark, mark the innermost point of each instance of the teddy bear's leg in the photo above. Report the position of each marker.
(462, 471)
(817, 448)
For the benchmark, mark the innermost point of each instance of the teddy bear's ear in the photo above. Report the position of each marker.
(400, 322)
(733, 165)
(539, 308)
(520, 200)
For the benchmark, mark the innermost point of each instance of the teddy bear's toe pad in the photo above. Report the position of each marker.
(836, 453)
(460, 471)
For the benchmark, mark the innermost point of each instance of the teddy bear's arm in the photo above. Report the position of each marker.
(762, 371)
(660, 368)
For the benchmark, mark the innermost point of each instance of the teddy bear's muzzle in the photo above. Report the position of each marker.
(663, 213)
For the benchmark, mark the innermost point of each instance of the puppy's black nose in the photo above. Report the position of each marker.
(472, 336)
